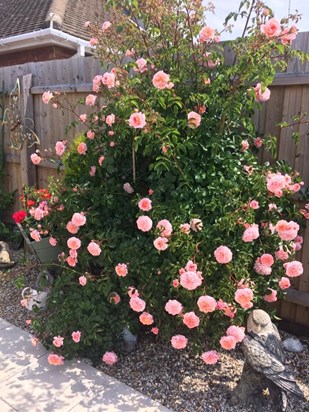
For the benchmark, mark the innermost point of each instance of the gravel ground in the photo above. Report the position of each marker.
(177, 379)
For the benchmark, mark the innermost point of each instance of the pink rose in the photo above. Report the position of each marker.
(83, 118)
(106, 25)
(254, 204)
(35, 235)
(74, 243)
(58, 341)
(137, 120)
(94, 249)
(115, 298)
(82, 280)
(251, 233)
(110, 358)
(281, 254)
(141, 66)
(110, 119)
(244, 145)
(108, 79)
(267, 259)
(288, 35)
(165, 228)
(191, 320)
(185, 228)
(207, 304)
(146, 319)
(271, 28)
(55, 360)
(293, 269)
(173, 307)
(82, 148)
(52, 241)
(211, 357)
(161, 81)
(145, 204)
(257, 142)
(179, 341)
(190, 280)
(90, 100)
(261, 96)
(71, 228)
(79, 219)
(194, 120)
(101, 160)
(223, 254)
(206, 34)
(137, 304)
(244, 297)
(144, 223)
(96, 82)
(196, 225)
(76, 336)
(92, 171)
(161, 243)
(191, 266)
(128, 188)
(71, 261)
(228, 342)
(90, 134)
(284, 283)
(272, 297)
(93, 41)
(237, 332)
(155, 331)
(287, 230)
(35, 159)
(262, 269)
(46, 97)
(60, 147)
(121, 269)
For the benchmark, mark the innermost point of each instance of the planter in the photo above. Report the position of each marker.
(43, 250)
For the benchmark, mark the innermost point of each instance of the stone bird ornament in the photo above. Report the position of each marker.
(265, 379)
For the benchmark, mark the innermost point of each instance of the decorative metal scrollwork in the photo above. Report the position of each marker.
(19, 133)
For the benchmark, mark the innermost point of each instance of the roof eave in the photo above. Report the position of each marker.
(48, 36)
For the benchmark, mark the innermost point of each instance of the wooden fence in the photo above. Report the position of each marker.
(289, 96)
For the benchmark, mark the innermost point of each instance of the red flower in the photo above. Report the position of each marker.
(30, 203)
(19, 216)
(44, 194)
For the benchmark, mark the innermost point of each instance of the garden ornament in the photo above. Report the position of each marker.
(33, 297)
(265, 379)
(5, 259)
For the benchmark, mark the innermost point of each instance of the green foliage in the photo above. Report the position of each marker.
(202, 175)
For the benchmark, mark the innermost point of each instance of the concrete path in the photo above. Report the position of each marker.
(29, 384)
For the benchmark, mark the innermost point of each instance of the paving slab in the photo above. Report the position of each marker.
(4, 407)
(29, 384)
(16, 351)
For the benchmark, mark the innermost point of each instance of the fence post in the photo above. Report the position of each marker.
(28, 170)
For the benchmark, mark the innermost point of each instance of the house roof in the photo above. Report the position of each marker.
(22, 16)
(25, 16)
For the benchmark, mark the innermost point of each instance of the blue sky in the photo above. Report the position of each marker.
(279, 7)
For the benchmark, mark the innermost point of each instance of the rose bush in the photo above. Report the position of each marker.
(169, 224)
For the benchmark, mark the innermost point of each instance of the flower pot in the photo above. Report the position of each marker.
(42, 249)
(45, 251)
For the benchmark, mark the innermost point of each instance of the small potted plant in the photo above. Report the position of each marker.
(32, 221)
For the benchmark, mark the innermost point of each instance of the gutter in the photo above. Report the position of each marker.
(48, 36)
